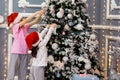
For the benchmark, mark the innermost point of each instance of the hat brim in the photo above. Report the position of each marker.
(18, 18)
(35, 44)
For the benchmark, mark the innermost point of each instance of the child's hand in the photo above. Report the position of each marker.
(54, 25)
(40, 12)
(48, 26)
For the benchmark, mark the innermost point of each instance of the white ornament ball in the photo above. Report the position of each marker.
(92, 36)
(59, 14)
(70, 16)
(87, 66)
(50, 59)
(65, 59)
(66, 27)
(87, 33)
(85, 55)
(91, 50)
(79, 26)
(80, 59)
(54, 46)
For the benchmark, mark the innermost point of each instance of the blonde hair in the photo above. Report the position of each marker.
(11, 31)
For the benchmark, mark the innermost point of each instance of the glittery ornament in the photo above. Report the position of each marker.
(54, 46)
(71, 23)
(59, 14)
(70, 16)
(79, 26)
(58, 74)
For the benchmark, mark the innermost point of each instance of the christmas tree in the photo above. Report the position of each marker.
(73, 47)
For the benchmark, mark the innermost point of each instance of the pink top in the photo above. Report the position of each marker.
(19, 44)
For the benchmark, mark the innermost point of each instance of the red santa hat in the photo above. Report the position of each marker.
(32, 39)
(13, 18)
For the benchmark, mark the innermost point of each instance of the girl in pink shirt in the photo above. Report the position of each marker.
(20, 28)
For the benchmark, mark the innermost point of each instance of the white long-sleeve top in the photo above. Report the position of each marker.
(41, 58)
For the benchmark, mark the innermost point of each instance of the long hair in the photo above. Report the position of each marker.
(34, 51)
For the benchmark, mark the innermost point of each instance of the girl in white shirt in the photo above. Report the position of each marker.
(40, 59)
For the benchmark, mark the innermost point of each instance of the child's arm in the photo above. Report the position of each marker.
(43, 33)
(48, 35)
(36, 19)
(38, 13)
